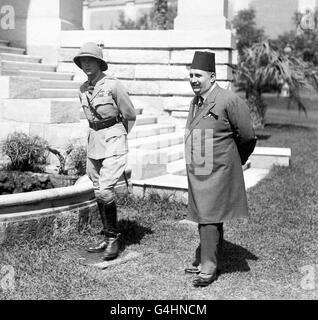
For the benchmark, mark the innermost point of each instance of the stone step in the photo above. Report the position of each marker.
(142, 120)
(151, 104)
(150, 130)
(178, 184)
(266, 157)
(4, 43)
(174, 152)
(152, 163)
(146, 120)
(58, 93)
(40, 74)
(39, 111)
(20, 57)
(27, 66)
(59, 84)
(139, 111)
(159, 156)
(158, 141)
(177, 167)
(4, 49)
(82, 115)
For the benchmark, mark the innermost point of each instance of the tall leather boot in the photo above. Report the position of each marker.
(110, 244)
(101, 246)
(112, 249)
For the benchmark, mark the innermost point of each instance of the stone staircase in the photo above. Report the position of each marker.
(156, 78)
(53, 84)
(153, 137)
(156, 142)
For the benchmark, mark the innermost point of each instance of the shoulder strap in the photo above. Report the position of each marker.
(93, 111)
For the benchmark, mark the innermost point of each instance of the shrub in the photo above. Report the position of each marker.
(16, 182)
(72, 160)
(78, 160)
(26, 152)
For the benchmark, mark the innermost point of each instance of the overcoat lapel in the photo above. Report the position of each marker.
(208, 104)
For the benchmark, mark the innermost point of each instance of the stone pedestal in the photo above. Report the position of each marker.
(130, 10)
(43, 27)
(38, 25)
(202, 15)
(13, 87)
(40, 111)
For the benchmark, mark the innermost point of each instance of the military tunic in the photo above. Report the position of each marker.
(109, 99)
(107, 148)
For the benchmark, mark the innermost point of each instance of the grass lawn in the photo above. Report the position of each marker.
(264, 256)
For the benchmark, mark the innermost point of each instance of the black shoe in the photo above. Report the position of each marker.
(99, 248)
(192, 270)
(203, 281)
(112, 249)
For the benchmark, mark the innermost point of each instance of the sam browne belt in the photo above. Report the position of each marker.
(98, 125)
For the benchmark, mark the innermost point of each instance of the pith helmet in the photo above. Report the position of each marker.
(204, 60)
(91, 49)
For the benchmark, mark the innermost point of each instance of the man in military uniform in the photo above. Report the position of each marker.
(111, 115)
(219, 139)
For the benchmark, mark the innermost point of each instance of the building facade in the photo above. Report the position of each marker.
(104, 14)
(276, 17)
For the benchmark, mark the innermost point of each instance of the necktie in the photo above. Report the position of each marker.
(200, 101)
(198, 105)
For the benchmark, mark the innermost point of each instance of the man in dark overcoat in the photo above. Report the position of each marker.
(219, 138)
(111, 115)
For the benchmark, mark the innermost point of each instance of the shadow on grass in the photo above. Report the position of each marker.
(235, 258)
(131, 232)
(262, 136)
(285, 126)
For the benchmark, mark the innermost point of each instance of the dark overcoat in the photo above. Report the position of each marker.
(218, 140)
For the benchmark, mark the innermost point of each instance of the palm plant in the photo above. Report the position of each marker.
(262, 69)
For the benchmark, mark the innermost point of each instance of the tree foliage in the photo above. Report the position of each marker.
(301, 43)
(265, 65)
(160, 17)
(263, 69)
(245, 29)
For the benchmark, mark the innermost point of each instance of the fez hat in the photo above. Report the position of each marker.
(91, 49)
(204, 60)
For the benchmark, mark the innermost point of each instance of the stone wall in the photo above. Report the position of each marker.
(21, 109)
(46, 222)
(153, 65)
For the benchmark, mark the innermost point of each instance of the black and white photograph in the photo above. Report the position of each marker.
(158, 156)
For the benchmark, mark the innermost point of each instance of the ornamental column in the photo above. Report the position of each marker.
(202, 14)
